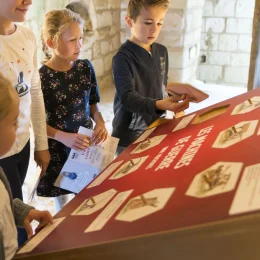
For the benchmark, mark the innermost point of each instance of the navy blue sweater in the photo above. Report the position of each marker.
(139, 77)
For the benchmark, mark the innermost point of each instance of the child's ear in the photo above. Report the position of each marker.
(129, 22)
(50, 43)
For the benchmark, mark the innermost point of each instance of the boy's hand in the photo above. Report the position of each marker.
(99, 134)
(73, 140)
(42, 159)
(43, 217)
(173, 104)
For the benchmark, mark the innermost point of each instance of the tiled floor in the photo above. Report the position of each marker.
(216, 93)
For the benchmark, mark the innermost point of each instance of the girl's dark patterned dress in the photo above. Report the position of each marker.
(68, 97)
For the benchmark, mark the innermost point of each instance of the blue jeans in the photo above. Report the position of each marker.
(15, 169)
(22, 236)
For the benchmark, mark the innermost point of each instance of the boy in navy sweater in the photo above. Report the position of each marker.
(140, 70)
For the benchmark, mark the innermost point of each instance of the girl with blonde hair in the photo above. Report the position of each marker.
(70, 93)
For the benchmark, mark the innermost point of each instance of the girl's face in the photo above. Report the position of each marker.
(14, 10)
(70, 42)
(146, 28)
(8, 126)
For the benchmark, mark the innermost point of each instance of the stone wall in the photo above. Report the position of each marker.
(102, 45)
(215, 32)
(226, 42)
(99, 45)
(35, 18)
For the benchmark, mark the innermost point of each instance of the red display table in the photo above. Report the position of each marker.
(186, 189)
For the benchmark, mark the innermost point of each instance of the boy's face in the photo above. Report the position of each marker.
(69, 43)
(146, 28)
(14, 10)
(8, 126)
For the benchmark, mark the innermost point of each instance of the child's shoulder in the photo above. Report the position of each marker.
(159, 46)
(43, 68)
(125, 50)
(26, 32)
(22, 35)
(84, 63)
(126, 46)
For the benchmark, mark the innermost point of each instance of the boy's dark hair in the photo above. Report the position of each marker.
(135, 6)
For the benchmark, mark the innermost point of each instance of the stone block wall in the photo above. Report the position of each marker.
(217, 33)
(226, 42)
(100, 46)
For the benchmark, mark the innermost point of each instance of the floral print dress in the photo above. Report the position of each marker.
(68, 97)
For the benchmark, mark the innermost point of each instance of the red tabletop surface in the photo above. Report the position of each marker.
(181, 209)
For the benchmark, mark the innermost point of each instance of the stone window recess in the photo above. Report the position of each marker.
(77, 7)
(226, 42)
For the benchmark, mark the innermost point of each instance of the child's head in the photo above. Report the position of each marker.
(135, 6)
(9, 110)
(145, 18)
(14, 10)
(62, 31)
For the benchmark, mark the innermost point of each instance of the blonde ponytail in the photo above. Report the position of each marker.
(6, 96)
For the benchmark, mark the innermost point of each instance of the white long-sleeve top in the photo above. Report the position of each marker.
(18, 63)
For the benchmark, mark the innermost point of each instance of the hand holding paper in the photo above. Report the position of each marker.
(83, 166)
(73, 140)
(100, 133)
(173, 103)
(179, 89)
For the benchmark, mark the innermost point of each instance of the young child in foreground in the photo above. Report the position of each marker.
(140, 70)
(12, 212)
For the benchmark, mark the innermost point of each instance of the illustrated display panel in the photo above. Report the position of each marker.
(194, 170)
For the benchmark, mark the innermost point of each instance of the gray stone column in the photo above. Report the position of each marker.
(254, 70)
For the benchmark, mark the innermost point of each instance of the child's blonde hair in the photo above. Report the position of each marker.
(135, 6)
(6, 96)
(55, 23)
